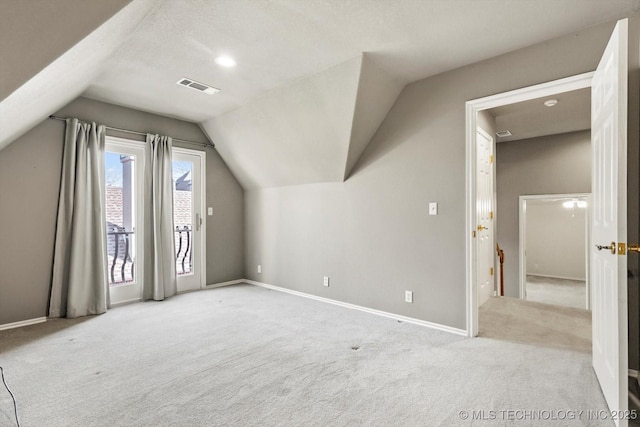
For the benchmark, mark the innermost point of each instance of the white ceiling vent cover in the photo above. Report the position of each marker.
(503, 133)
(200, 87)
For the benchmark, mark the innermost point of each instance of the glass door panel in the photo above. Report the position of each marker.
(123, 204)
(187, 218)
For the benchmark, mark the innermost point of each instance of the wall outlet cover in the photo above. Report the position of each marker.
(408, 296)
(325, 281)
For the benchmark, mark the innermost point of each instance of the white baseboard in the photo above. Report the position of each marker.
(549, 276)
(633, 373)
(365, 309)
(229, 283)
(23, 323)
(127, 302)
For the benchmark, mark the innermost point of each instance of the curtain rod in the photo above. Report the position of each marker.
(204, 144)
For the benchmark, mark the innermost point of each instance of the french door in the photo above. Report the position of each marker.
(124, 186)
(188, 190)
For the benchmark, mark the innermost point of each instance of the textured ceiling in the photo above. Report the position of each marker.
(313, 130)
(531, 119)
(279, 41)
(279, 119)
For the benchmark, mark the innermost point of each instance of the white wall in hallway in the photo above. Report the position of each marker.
(555, 240)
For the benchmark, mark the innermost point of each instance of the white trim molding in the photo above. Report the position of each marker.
(125, 302)
(472, 108)
(221, 284)
(419, 322)
(23, 323)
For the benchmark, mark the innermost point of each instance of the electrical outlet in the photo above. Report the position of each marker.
(433, 208)
(259, 268)
(209, 211)
(325, 281)
(408, 296)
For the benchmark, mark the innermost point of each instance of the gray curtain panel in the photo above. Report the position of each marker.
(160, 252)
(79, 286)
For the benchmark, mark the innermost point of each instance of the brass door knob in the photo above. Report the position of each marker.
(633, 248)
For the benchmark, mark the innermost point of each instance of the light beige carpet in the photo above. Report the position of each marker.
(247, 356)
(550, 290)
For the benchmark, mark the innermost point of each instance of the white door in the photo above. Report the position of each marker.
(188, 188)
(608, 220)
(124, 184)
(484, 216)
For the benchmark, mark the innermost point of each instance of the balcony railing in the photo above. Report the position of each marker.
(120, 263)
(184, 250)
(121, 266)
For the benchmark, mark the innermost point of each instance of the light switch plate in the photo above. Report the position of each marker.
(433, 208)
(209, 211)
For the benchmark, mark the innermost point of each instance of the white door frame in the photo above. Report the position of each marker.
(522, 219)
(580, 81)
(202, 246)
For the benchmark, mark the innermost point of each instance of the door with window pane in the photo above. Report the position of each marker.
(187, 218)
(123, 184)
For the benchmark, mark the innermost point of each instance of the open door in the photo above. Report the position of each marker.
(484, 211)
(609, 220)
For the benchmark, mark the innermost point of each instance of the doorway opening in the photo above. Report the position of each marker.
(608, 222)
(474, 109)
(553, 253)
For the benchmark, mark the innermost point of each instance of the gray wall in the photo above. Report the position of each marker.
(554, 164)
(30, 171)
(556, 240)
(372, 234)
(23, 48)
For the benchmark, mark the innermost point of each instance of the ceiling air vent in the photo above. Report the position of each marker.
(200, 87)
(503, 133)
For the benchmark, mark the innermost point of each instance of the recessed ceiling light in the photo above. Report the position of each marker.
(225, 61)
(550, 102)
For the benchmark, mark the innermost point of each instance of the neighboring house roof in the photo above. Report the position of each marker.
(181, 207)
(184, 182)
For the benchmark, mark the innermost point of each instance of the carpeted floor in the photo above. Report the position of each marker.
(247, 356)
(550, 290)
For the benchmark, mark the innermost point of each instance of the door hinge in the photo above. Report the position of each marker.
(491, 271)
(491, 158)
(491, 215)
(473, 233)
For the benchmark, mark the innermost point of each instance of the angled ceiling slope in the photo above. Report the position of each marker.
(313, 130)
(68, 76)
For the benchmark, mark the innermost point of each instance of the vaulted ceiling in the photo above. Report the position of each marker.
(314, 79)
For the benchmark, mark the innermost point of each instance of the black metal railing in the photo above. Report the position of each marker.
(184, 250)
(120, 261)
